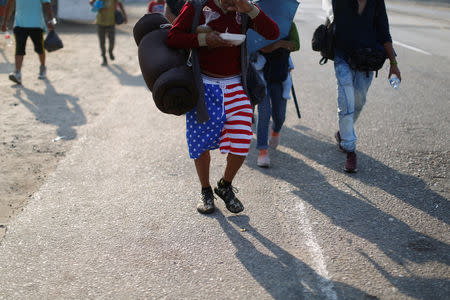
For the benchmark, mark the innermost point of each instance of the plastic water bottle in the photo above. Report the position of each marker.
(8, 39)
(394, 81)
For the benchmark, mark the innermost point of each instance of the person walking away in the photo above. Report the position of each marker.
(359, 24)
(172, 9)
(106, 26)
(276, 75)
(29, 22)
(156, 6)
(228, 107)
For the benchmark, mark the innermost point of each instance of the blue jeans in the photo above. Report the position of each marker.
(352, 90)
(273, 105)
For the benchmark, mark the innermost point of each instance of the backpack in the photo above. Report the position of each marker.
(276, 68)
(323, 41)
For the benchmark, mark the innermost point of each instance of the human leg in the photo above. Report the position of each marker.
(346, 104)
(234, 163)
(112, 38)
(361, 84)
(203, 137)
(278, 105)
(202, 166)
(224, 188)
(346, 108)
(278, 112)
(235, 139)
(206, 205)
(21, 36)
(101, 31)
(262, 132)
(37, 36)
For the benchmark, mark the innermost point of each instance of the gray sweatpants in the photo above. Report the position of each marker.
(102, 32)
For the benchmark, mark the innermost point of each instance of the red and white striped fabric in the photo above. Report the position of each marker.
(237, 133)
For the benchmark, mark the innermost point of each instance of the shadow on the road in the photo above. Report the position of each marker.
(359, 215)
(5, 65)
(53, 108)
(414, 286)
(281, 274)
(124, 77)
(407, 188)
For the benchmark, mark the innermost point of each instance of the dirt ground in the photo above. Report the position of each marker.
(40, 119)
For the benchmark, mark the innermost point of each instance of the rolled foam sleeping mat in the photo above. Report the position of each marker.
(156, 58)
(146, 24)
(175, 92)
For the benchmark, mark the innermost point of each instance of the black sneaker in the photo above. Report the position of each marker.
(206, 206)
(111, 55)
(226, 192)
(105, 61)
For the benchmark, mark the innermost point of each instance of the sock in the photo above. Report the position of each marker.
(223, 183)
(263, 152)
(275, 133)
(207, 189)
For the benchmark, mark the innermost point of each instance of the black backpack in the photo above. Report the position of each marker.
(323, 41)
(277, 65)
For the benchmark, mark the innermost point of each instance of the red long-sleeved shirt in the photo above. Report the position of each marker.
(224, 61)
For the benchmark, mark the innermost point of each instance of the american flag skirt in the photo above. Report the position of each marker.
(229, 126)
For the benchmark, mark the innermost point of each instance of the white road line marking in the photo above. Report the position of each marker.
(326, 284)
(412, 48)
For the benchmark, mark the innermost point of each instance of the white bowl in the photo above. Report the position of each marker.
(234, 38)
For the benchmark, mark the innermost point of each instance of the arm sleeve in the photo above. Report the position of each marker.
(382, 23)
(265, 26)
(180, 35)
(294, 38)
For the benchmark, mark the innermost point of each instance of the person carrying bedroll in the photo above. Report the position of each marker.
(362, 43)
(228, 108)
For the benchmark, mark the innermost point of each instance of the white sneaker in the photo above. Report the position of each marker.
(263, 161)
(274, 141)
(42, 72)
(16, 77)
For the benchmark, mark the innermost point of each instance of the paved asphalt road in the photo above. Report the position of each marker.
(117, 218)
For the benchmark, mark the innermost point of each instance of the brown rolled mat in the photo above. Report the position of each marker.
(156, 58)
(148, 23)
(174, 92)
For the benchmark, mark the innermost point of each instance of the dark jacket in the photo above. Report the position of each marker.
(354, 31)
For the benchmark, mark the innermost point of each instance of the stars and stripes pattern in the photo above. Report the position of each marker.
(229, 126)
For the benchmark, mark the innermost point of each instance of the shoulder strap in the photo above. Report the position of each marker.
(244, 54)
(202, 111)
(198, 5)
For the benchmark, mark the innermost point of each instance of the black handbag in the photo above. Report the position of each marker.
(52, 42)
(323, 41)
(118, 17)
(367, 59)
